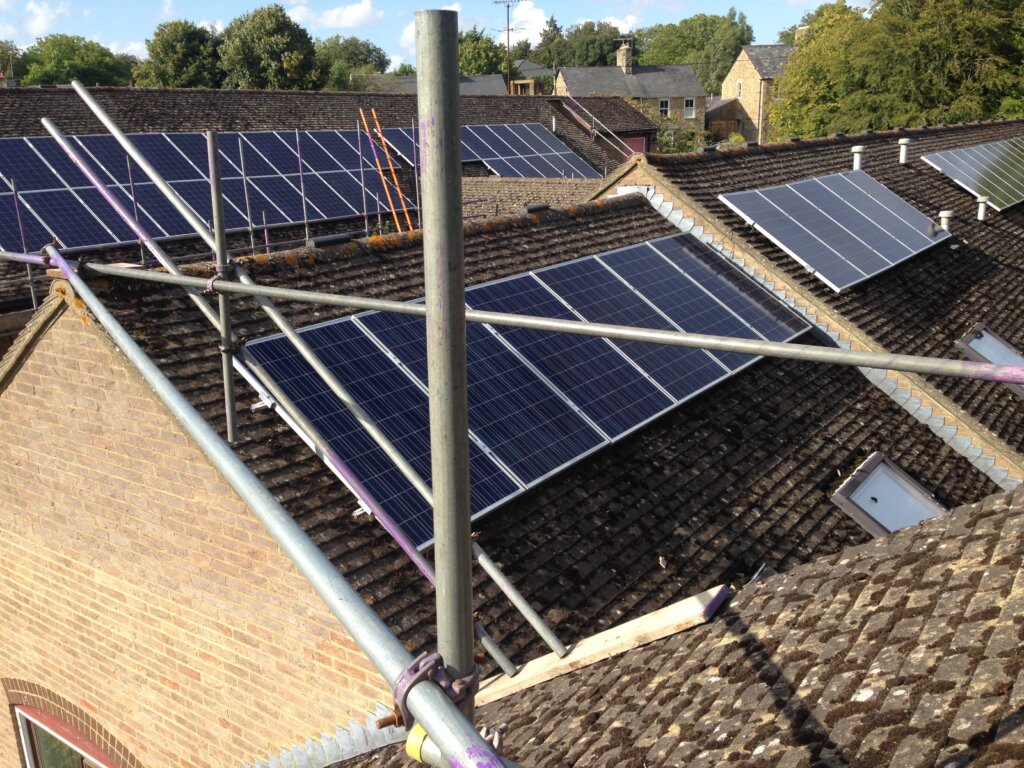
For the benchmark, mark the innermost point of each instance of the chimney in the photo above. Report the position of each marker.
(801, 33)
(624, 58)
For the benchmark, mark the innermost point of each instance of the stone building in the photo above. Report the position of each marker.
(749, 81)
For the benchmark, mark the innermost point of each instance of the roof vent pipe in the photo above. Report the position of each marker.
(554, 124)
(858, 151)
(904, 143)
(944, 219)
(982, 208)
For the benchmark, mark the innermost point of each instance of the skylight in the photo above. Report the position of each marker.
(882, 498)
(983, 345)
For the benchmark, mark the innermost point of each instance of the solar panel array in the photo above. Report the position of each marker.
(845, 228)
(528, 150)
(538, 401)
(994, 170)
(57, 201)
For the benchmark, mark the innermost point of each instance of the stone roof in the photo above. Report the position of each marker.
(738, 476)
(660, 82)
(768, 60)
(529, 69)
(469, 85)
(488, 196)
(616, 114)
(901, 652)
(924, 305)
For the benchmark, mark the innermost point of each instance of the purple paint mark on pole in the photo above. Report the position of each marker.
(475, 757)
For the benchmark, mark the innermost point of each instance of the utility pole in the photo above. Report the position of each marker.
(508, 39)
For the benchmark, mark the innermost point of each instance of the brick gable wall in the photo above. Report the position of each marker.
(135, 586)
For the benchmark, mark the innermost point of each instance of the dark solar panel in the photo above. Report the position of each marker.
(845, 228)
(65, 203)
(994, 170)
(538, 401)
(526, 150)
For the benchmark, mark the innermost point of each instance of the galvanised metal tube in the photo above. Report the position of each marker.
(461, 745)
(491, 569)
(936, 366)
(223, 299)
(437, 83)
(126, 216)
(173, 197)
(331, 458)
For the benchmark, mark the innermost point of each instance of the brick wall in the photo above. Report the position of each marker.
(137, 590)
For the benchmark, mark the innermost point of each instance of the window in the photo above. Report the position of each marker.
(882, 498)
(48, 743)
(739, 89)
(663, 107)
(984, 346)
(689, 109)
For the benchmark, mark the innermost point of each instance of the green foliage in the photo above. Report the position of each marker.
(521, 50)
(591, 45)
(266, 49)
(903, 63)
(405, 70)
(10, 58)
(479, 54)
(342, 59)
(551, 51)
(59, 59)
(709, 43)
(181, 55)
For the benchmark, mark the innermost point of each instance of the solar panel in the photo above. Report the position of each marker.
(538, 401)
(64, 204)
(994, 170)
(527, 150)
(845, 228)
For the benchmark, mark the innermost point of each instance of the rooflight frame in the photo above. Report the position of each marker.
(842, 497)
(963, 344)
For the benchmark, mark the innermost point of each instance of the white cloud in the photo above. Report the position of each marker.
(7, 32)
(217, 25)
(134, 48)
(626, 24)
(396, 61)
(167, 10)
(354, 16)
(5, 5)
(528, 21)
(42, 16)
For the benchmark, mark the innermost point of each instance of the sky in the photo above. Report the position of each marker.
(124, 26)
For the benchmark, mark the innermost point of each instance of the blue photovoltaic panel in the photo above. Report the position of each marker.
(600, 297)
(331, 169)
(526, 150)
(526, 424)
(537, 401)
(994, 170)
(36, 235)
(845, 228)
(598, 378)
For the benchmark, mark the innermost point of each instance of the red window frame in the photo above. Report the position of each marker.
(29, 717)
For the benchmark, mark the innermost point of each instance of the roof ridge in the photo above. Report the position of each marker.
(52, 307)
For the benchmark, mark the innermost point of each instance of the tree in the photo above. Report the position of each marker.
(266, 49)
(521, 50)
(903, 63)
(479, 54)
(59, 59)
(181, 55)
(592, 45)
(709, 43)
(405, 70)
(338, 59)
(10, 59)
(551, 51)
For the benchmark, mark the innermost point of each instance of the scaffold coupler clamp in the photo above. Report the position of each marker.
(218, 272)
(427, 666)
